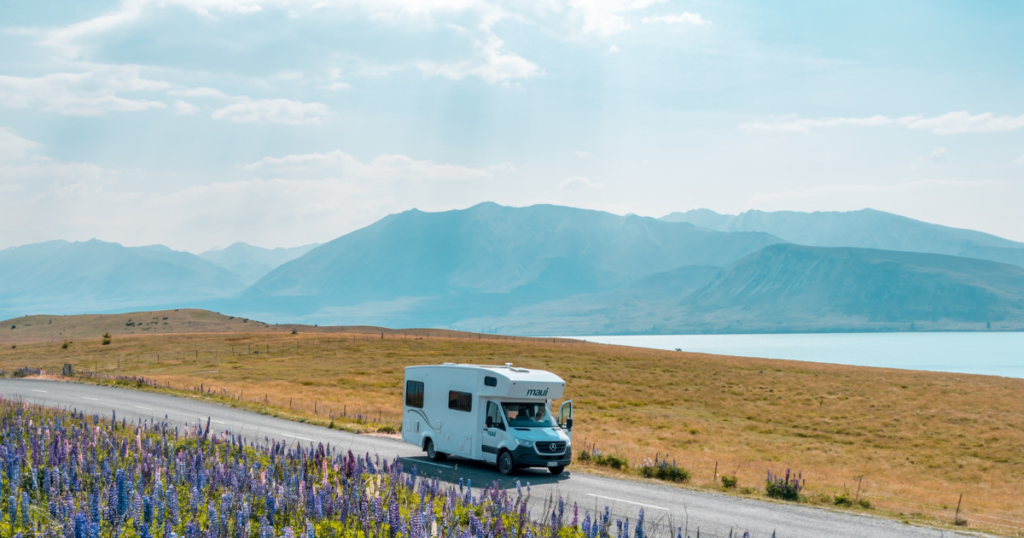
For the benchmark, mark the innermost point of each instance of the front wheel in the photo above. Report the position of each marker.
(557, 470)
(434, 454)
(506, 465)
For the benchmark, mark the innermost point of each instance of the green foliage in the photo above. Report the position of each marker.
(663, 470)
(843, 499)
(729, 482)
(786, 488)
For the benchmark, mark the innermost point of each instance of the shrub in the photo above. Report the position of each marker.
(615, 462)
(785, 488)
(106, 339)
(65, 344)
(864, 503)
(843, 499)
(595, 455)
(663, 470)
(729, 482)
(387, 428)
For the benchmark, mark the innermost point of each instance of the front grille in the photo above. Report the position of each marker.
(552, 447)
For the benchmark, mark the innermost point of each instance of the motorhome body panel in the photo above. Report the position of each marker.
(452, 410)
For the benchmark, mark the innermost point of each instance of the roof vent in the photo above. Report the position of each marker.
(448, 364)
(508, 365)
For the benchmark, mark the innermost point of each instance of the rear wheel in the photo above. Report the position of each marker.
(557, 470)
(506, 465)
(434, 454)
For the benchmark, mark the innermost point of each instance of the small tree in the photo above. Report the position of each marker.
(65, 344)
(106, 338)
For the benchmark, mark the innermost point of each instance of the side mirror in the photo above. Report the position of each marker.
(488, 422)
(568, 423)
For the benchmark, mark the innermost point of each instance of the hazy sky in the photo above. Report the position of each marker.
(197, 123)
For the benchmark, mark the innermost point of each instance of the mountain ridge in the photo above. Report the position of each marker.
(865, 228)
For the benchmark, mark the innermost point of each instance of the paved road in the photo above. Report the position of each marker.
(713, 514)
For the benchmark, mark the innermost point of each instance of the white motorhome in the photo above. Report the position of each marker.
(500, 414)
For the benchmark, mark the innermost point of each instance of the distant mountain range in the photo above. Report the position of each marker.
(62, 278)
(546, 270)
(250, 262)
(866, 228)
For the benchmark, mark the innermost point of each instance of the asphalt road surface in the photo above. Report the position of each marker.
(713, 514)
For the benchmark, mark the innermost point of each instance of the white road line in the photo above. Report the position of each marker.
(216, 421)
(93, 399)
(297, 437)
(146, 408)
(34, 390)
(627, 502)
(432, 463)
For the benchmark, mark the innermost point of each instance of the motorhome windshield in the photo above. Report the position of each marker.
(527, 415)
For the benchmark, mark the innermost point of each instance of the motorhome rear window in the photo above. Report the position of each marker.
(460, 401)
(414, 394)
(490, 381)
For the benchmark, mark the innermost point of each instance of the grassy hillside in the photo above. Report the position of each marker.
(911, 441)
(49, 328)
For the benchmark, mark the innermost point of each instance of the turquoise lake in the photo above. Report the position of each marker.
(985, 353)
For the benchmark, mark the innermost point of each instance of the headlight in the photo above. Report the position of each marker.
(524, 443)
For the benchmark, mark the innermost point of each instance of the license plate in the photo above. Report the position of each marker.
(552, 464)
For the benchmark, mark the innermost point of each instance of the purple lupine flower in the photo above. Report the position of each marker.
(26, 521)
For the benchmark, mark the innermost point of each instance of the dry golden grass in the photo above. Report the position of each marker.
(911, 441)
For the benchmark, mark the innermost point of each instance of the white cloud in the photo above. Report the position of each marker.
(183, 108)
(581, 154)
(338, 86)
(938, 155)
(605, 17)
(14, 147)
(274, 110)
(198, 92)
(964, 122)
(684, 18)
(491, 63)
(81, 94)
(614, 48)
(381, 167)
(951, 123)
(66, 39)
(805, 125)
(10, 187)
(577, 183)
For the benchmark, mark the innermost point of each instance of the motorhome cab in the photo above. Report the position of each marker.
(499, 414)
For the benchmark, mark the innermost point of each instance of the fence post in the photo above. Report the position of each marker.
(956, 518)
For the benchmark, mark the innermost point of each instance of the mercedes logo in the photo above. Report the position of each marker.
(553, 447)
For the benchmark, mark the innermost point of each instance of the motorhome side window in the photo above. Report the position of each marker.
(460, 401)
(490, 381)
(414, 394)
